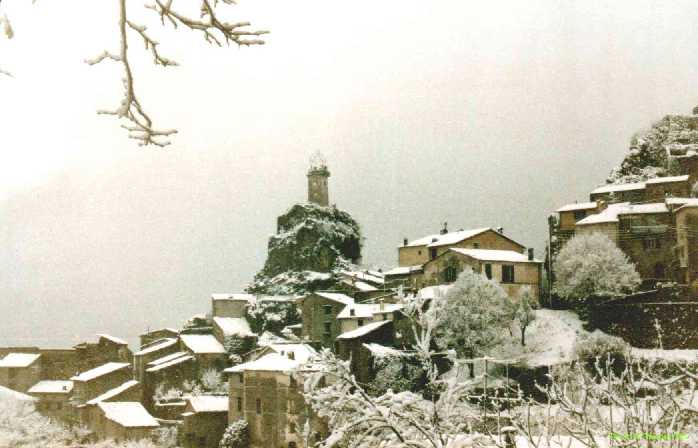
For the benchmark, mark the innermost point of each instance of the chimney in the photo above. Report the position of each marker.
(404, 242)
(445, 229)
(500, 230)
(291, 355)
(530, 254)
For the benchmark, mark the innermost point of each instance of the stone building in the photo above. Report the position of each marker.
(319, 312)
(123, 421)
(318, 174)
(205, 418)
(230, 305)
(106, 349)
(20, 371)
(151, 336)
(130, 390)
(359, 314)
(350, 346)
(170, 371)
(268, 394)
(153, 350)
(94, 382)
(53, 399)
(513, 271)
(206, 349)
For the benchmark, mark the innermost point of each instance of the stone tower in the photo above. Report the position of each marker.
(317, 181)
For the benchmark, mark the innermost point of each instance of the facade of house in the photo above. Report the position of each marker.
(513, 271)
(319, 312)
(359, 314)
(95, 382)
(123, 421)
(20, 371)
(151, 336)
(106, 349)
(131, 390)
(230, 305)
(350, 346)
(170, 371)
(53, 398)
(205, 418)
(268, 394)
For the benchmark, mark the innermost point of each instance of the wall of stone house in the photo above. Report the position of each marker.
(58, 364)
(228, 308)
(314, 318)
(610, 229)
(659, 191)
(108, 429)
(203, 430)
(689, 165)
(632, 234)
(20, 378)
(687, 242)
(91, 355)
(56, 406)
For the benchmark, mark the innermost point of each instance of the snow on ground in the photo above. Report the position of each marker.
(677, 355)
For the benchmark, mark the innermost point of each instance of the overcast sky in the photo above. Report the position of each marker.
(475, 113)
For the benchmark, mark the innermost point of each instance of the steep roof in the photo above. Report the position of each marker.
(337, 297)
(165, 343)
(272, 362)
(495, 255)
(114, 339)
(19, 359)
(363, 330)
(102, 370)
(233, 326)
(115, 392)
(51, 387)
(202, 343)
(209, 403)
(577, 206)
(128, 414)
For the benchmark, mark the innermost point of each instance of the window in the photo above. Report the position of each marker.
(507, 273)
(450, 274)
(385, 316)
(361, 322)
(432, 253)
(488, 271)
(651, 244)
(327, 309)
(258, 404)
(476, 245)
(239, 400)
(579, 215)
(419, 252)
(327, 328)
(202, 441)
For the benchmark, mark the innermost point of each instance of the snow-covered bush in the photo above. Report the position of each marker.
(592, 265)
(473, 317)
(524, 313)
(236, 435)
(271, 315)
(597, 349)
(212, 382)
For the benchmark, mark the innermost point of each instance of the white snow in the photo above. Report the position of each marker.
(167, 342)
(268, 338)
(51, 387)
(495, 255)
(167, 358)
(381, 351)
(301, 352)
(102, 370)
(272, 362)
(367, 310)
(677, 355)
(663, 180)
(619, 187)
(234, 296)
(447, 238)
(172, 362)
(10, 394)
(361, 286)
(610, 214)
(111, 393)
(433, 292)
(577, 206)
(365, 276)
(551, 337)
(337, 297)
(202, 343)
(233, 326)
(681, 201)
(113, 339)
(209, 403)
(128, 414)
(19, 359)
(404, 270)
(363, 330)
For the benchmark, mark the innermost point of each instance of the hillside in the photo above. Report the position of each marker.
(311, 244)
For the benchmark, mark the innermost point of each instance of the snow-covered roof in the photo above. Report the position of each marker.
(577, 206)
(404, 270)
(233, 326)
(272, 362)
(301, 352)
(381, 351)
(268, 338)
(363, 330)
(115, 392)
(172, 362)
(337, 297)
(610, 214)
(165, 343)
(202, 343)
(367, 310)
(167, 358)
(128, 414)
(663, 180)
(234, 296)
(209, 403)
(102, 370)
(113, 339)
(169, 329)
(19, 359)
(370, 277)
(432, 292)
(681, 201)
(495, 255)
(438, 239)
(612, 188)
(361, 286)
(6, 393)
(51, 387)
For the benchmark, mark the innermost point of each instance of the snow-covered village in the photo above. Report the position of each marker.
(474, 240)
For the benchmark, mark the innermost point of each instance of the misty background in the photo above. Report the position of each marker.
(472, 113)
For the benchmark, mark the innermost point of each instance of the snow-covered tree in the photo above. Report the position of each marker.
(473, 317)
(592, 265)
(272, 315)
(396, 373)
(212, 382)
(203, 17)
(236, 435)
(524, 312)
